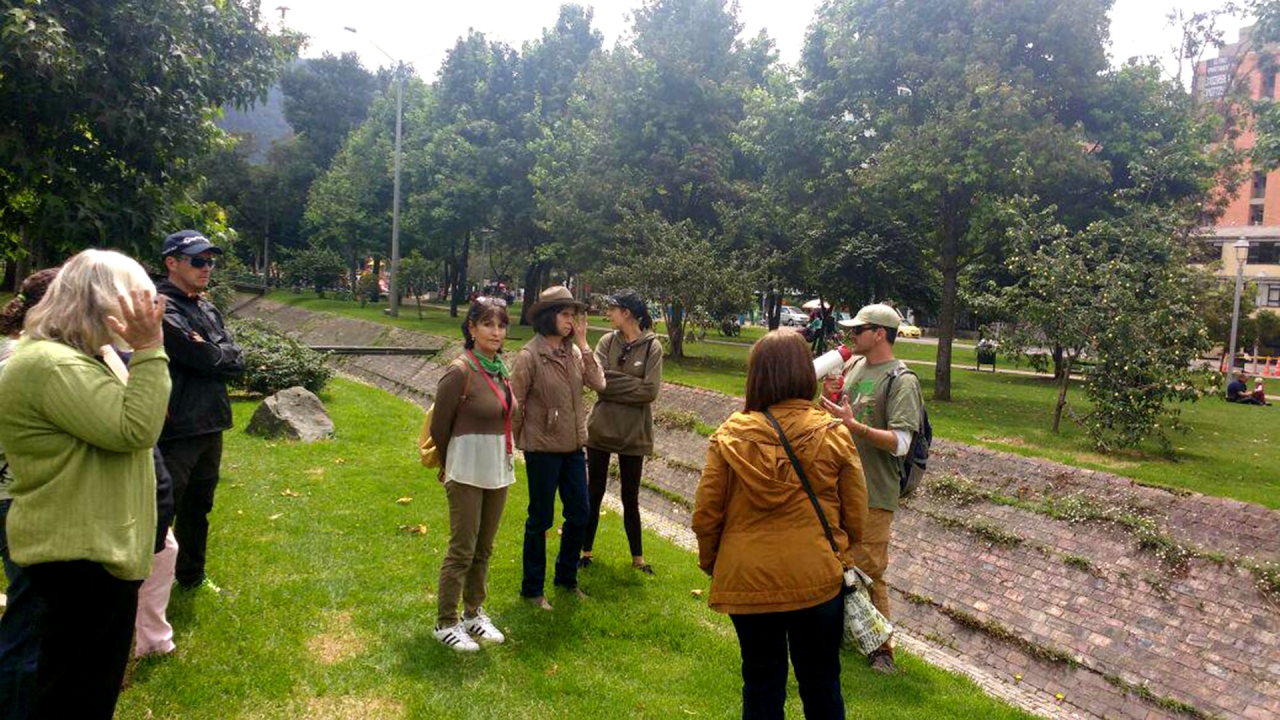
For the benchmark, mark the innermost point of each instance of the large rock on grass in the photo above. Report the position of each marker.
(295, 413)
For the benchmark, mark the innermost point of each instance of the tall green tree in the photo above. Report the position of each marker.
(958, 107)
(105, 106)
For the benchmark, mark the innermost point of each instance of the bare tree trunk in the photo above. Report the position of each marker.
(675, 329)
(10, 275)
(946, 320)
(531, 290)
(1063, 384)
(376, 292)
(354, 268)
(1057, 361)
(460, 276)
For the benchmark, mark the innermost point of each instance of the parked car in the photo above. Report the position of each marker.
(907, 330)
(793, 317)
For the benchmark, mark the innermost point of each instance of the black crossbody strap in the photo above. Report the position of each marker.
(804, 480)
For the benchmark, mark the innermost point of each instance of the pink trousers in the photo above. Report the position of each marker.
(153, 633)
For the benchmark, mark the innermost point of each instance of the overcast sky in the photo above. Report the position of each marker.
(421, 32)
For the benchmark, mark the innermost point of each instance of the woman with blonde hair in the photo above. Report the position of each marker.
(78, 437)
(776, 563)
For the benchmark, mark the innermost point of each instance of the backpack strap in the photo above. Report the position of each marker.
(804, 480)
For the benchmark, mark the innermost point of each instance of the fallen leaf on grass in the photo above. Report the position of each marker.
(404, 501)
(339, 461)
(553, 669)
(696, 592)
(288, 493)
(414, 529)
(277, 516)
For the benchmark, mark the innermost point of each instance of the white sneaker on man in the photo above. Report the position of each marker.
(456, 637)
(483, 629)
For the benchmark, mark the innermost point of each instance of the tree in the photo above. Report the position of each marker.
(416, 274)
(326, 98)
(1123, 293)
(959, 106)
(317, 266)
(107, 105)
(674, 264)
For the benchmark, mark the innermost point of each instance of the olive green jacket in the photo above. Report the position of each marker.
(622, 419)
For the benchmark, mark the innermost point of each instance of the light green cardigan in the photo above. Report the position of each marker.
(79, 443)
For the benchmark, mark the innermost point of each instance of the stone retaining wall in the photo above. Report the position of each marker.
(1137, 602)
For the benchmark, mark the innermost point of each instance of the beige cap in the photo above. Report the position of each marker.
(879, 314)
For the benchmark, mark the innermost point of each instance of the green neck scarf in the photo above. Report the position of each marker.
(494, 367)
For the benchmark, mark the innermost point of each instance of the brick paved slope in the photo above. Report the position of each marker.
(1128, 601)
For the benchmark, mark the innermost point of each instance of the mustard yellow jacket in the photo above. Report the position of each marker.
(758, 534)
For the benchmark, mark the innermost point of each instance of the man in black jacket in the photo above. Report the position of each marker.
(202, 357)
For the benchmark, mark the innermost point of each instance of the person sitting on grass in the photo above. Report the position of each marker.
(471, 426)
(1238, 392)
(1259, 393)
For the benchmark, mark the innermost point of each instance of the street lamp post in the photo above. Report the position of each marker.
(1241, 247)
(393, 285)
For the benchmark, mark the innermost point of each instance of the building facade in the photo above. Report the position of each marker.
(1253, 214)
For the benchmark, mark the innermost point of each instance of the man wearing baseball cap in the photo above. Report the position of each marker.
(882, 419)
(202, 357)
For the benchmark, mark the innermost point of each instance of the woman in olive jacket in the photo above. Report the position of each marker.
(759, 537)
(622, 420)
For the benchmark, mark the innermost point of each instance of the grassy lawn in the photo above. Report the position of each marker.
(329, 604)
(1228, 451)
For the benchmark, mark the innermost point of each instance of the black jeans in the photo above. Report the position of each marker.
(19, 634)
(630, 467)
(193, 462)
(813, 635)
(548, 472)
(85, 634)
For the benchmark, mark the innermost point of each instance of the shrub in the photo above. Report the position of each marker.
(274, 361)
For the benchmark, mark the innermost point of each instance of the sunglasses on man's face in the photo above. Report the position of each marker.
(200, 263)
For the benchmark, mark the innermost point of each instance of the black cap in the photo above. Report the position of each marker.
(629, 300)
(188, 242)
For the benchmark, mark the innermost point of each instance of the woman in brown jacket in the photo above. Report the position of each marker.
(471, 425)
(551, 428)
(759, 537)
(622, 420)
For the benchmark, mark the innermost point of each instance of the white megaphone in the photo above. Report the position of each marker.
(830, 362)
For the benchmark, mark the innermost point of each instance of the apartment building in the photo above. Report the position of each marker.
(1254, 213)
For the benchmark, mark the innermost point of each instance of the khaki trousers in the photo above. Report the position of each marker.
(474, 515)
(872, 555)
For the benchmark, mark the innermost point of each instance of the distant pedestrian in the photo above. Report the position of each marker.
(622, 419)
(471, 424)
(770, 556)
(78, 439)
(550, 425)
(203, 357)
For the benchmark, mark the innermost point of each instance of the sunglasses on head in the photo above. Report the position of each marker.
(200, 263)
(495, 301)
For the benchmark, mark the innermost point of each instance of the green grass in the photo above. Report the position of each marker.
(328, 606)
(1228, 451)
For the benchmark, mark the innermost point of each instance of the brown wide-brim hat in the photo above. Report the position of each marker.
(554, 298)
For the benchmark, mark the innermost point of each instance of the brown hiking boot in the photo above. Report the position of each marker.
(882, 662)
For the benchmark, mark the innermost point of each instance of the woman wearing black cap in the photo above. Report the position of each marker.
(622, 420)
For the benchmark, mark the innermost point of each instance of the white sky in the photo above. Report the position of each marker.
(421, 32)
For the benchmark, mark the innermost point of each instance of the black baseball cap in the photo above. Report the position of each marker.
(188, 242)
(628, 300)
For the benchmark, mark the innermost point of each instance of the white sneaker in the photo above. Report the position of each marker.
(482, 628)
(455, 637)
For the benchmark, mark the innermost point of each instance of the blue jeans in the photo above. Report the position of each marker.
(813, 634)
(19, 641)
(548, 472)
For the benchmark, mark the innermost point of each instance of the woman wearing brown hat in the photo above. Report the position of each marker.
(622, 420)
(550, 426)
